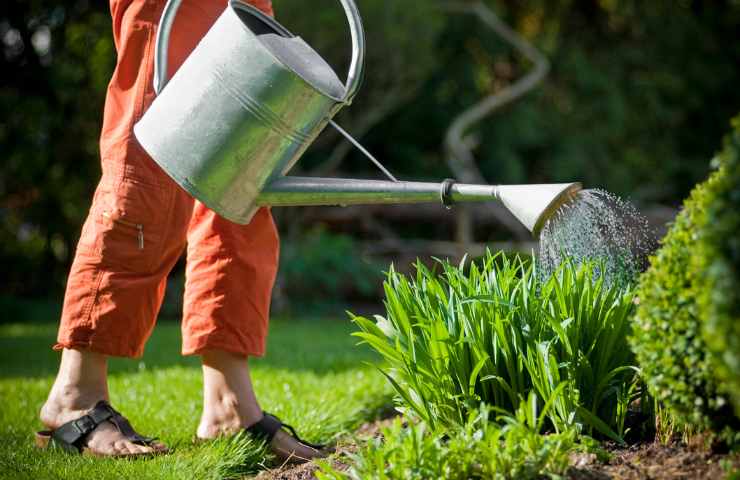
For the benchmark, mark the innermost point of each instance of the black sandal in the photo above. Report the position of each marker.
(72, 436)
(266, 429)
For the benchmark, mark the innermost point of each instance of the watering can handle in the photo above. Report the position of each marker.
(356, 69)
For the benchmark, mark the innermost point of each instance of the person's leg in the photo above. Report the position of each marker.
(230, 274)
(230, 405)
(114, 293)
(229, 402)
(134, 233)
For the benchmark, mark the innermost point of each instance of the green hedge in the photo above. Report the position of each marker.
(718, 262)
(668, 337)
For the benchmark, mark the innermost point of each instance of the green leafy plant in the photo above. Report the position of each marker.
(512, 447)
(585, 345)
(496, 332)
(684, 292)
(718, 264)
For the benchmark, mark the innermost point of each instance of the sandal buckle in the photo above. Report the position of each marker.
(84, 424)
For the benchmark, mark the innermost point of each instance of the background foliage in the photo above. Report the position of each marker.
(638, 96)
(323, 267)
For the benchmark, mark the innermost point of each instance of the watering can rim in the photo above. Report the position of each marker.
(283, 31)
(355, 74)
(567, 194)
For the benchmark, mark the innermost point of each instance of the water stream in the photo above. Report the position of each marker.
(598, 226)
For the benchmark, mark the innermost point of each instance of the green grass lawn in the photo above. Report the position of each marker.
(313, 377)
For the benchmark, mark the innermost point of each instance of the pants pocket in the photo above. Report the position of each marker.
(127, 225)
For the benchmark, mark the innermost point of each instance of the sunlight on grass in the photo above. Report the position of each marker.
(314, 377)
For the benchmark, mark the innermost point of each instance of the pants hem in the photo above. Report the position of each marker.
(108, 349)
(199, 346)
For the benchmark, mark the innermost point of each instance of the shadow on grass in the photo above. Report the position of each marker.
(316, 345)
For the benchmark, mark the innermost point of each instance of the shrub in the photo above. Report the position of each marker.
(479, 449)
(320, 268)
(718, 264)
(668, 339)
(499, 332)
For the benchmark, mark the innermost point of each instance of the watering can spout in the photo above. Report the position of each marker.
(530, 204)
(534, 205)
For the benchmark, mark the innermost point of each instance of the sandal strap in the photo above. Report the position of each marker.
(72, 435)
(315, 446)
(269, 425)
(266, 428)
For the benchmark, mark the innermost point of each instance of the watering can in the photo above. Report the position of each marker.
(251, 98)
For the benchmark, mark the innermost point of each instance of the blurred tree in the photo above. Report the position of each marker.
(638, 95)
(56, 61)
(401, 53)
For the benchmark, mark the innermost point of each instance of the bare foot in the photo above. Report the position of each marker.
(222, 419)
(105, 440)
(284, 446)
(80, 384)
(230, 406)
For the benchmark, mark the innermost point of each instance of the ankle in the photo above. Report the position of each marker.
(229, 402)
(223, 414)
(76, 397)
(68, 402)
(81, 381)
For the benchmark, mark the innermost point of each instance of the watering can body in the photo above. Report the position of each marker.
(234, 116)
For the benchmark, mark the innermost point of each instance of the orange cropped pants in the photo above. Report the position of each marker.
(140, 221)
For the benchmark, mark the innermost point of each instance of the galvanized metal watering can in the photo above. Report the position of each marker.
(251, 98)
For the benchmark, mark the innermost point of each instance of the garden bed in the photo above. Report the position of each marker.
(652, 461)
(640, 461)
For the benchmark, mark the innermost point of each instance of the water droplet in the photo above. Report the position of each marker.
(598, 226)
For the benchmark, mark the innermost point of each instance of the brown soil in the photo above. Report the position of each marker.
(652, 461)
(644, 461)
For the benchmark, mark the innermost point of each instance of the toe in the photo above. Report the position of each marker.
(138, 449)
(104, 449)
(145, 449)
(123, 447)
(159, 447)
